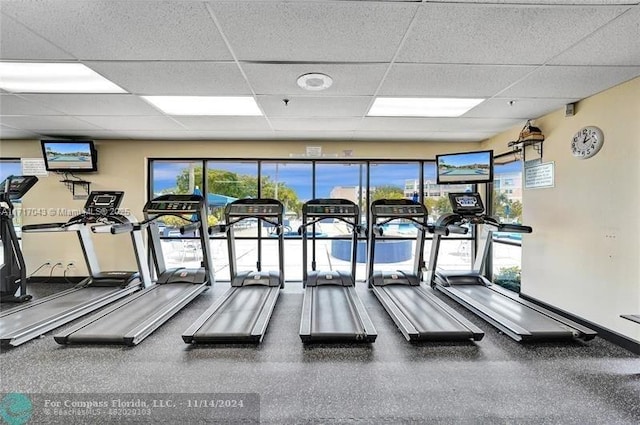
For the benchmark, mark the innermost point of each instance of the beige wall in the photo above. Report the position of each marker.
(122, 166)
(584, 253)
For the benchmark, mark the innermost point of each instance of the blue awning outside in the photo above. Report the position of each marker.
(216, 200)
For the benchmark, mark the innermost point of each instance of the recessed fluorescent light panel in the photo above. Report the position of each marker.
(205, 105)
(22, 77)
(421, 107)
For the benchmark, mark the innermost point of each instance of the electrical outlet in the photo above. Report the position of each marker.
(71, 265)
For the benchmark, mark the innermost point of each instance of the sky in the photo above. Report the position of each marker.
(465, 159)
(69, 147)
(297, 175)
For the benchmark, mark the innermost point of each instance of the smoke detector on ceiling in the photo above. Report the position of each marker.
(315, 81)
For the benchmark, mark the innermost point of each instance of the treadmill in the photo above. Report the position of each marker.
(331, 309)
(416, 311)
(131, 320)
(520, 319)
(35, 318)
(13, 270)
(242, 314)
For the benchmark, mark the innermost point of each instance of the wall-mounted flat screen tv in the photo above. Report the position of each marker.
(69, 155)
(465, 167)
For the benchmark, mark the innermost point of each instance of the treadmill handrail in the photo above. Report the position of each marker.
(355, 226)
(260, 217)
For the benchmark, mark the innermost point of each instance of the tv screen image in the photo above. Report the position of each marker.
(465, 167)
(69, 155)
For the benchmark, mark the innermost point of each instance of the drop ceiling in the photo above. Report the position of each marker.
(526, 57)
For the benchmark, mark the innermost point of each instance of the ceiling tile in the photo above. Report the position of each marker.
(123, 30)
(315, 135)
(450, 80)
(574, 82)
(175, 78)
(119, 123)
(41, 123)
(315, 124)
(224, 123)
(422, 136)
(94, 104)
(499, 34)
(19, 43)
(522, 108)
(322, 31)
(16, 105)
(196, 135)
(437, 124)
(596, 49)
(348, 79)
(11, 133)
(335, 106)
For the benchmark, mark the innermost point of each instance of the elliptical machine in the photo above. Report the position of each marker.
(13, 271)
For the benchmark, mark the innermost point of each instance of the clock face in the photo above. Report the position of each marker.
(587, 142)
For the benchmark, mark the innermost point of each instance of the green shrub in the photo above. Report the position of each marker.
(509, 278)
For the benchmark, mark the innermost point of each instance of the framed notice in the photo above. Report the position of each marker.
(33, 167)
(539, 176)
(314, 151)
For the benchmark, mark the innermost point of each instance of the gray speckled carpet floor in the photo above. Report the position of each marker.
(495, 380)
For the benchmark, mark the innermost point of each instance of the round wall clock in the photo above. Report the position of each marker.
(587, 142)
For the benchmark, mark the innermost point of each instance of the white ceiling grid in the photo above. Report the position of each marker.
(541, 54)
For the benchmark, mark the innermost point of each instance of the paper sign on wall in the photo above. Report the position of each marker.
(539, 176)
(33, 167)
(314, 151)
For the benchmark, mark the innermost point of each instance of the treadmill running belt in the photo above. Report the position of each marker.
(238, 314)
(426, 316)
(332, 312)
(523, 316)
(114, 326)
(40, 312)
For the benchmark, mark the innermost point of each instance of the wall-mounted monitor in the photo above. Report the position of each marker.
(465, 167)
(69, 155)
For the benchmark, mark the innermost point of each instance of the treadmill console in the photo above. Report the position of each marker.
(103, 203)
(255, 208)
(330, 208)
(398, 208)
(15, 187)
(175, 204)
(466, 204)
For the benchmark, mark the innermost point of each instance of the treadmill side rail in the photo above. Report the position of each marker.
(581, 332)
(37, 329)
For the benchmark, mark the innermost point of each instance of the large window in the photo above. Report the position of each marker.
(293, 182)
(456, 250)
(177, 177)
(345, 180)
(395, 249)
(507, 206)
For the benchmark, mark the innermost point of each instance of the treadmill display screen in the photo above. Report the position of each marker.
(466, 203)
(103, 203)
(399, 211)
(18, 186)
(273, 210)
(331, 210)
(103, 200)
(177, 207)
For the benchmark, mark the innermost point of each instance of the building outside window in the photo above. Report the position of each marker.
(507, 206)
